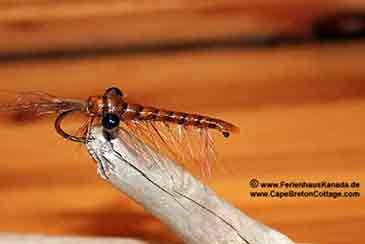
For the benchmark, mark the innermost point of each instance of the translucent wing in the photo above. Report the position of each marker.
(180, 143)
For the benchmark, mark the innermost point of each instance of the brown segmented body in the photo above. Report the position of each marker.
(127, 111)
(186, 119)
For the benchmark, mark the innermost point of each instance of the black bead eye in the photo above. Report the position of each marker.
(113, 91)
(110, 121)
(225, 134)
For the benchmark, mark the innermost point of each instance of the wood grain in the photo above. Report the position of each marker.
(300, 110)
(39, 26)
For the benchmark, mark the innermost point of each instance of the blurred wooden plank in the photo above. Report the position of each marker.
(306, 74)
(300, 110)
(38, 26)
(16, 10)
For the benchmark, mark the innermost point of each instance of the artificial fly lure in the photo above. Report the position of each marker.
(178, 135)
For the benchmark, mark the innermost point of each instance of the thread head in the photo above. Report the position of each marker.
(112, 91)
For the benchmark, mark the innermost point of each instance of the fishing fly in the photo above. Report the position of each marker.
(178, 135)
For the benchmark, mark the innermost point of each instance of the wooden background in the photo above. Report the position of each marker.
(300, 108)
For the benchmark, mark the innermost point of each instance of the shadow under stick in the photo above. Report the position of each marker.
(165, 189)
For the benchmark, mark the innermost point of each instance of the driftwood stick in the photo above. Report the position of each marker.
(190, 209)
